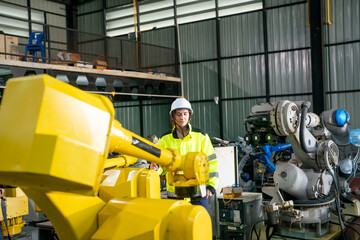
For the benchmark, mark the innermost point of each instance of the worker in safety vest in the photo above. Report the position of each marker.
(184, 138)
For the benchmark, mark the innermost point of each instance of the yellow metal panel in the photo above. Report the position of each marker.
(14, 226)
(130, 182)
(73, 216)
(16, 203)
(190, 222)
(16, 207)
(62, 123)
(144, 219)
(149, 184)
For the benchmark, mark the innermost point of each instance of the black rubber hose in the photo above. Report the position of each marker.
(304, 109)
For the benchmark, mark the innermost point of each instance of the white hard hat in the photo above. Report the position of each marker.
(181, 103)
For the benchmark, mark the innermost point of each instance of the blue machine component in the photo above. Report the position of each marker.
(341, 117)
(268, 150)
(268, 164)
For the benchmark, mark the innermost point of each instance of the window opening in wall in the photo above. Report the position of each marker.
(159, 14)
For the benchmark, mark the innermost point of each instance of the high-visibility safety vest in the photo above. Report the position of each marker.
(195, 141)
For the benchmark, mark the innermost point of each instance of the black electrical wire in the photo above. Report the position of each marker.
(357, 232)
(337, 202)
(257, 235)
(347, 227)
(246, 127)
(351, 215)
(268, 235)
(253, 227)
(358, 224)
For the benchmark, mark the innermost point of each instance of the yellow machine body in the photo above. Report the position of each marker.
(42, 118)
(147, 219)
(54, 142)
(16, 207)
(130, 182)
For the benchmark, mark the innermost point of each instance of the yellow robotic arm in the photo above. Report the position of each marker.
(54, 142)
(189, 170)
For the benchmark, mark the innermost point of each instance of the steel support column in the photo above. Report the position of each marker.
(266, 52)
(71, 22)
(177, 70)
(141, 109)
(317, 55)
(218, 54)
(28, 2)
(104, 31)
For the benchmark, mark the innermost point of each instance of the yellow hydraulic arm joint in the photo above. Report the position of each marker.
(188, 170)
(121, 161)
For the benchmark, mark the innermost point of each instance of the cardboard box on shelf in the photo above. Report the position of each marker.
(75, 57)
(2, 46)
(99, 62)
(67, 56)
(11, 46)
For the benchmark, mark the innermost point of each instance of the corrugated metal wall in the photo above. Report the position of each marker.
(156, 117)
(198, 41)
(90, 6)
(200, 80)
(342, 58)
(243, 77)
(293, 98)
(163, 37)
(287, 27)
(48, 6)
(90, 21)
(241, 34)
(242, 62)
(201, 83)
(20, 2)
(115, 3)
(343, 72)
(128, 114)
(345, 18)
(206, 117)
(56, 20)
(272, 3)
(234, 114)
(290, 72)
